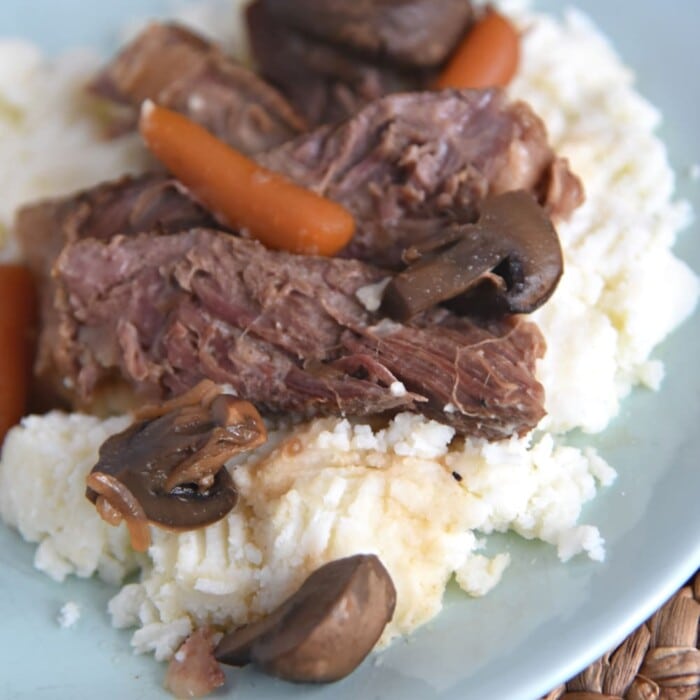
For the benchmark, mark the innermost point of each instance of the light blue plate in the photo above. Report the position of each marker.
(546, 620)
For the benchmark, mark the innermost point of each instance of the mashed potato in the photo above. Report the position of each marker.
(409, 493)
(42, 494)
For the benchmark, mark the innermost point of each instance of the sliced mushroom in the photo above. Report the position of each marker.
(510, 261)
(323, 631)
(168, 470)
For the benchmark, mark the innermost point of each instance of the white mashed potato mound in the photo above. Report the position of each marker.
(332, 488)
(42, 494)
(607, 313)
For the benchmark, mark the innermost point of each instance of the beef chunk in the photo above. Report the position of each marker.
(324, 83)
(180, 70)
(129, 205)
(332, 58)
(409, 164)
(412, 32)
(285, 331)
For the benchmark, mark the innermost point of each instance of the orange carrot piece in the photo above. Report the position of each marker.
(17, 317)
(488, 56)
(241, 193)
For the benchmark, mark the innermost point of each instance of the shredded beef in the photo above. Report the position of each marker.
(129, 205)
(332, 57)
(285, 331)
(411, 32)
(162, 312)
(326, 84)
(323, 83)
(180, 70)
(409, 164)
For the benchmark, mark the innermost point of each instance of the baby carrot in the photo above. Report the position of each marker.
(488, 56)
(17, 313)
(240, 192)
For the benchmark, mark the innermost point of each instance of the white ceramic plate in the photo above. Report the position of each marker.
(546, 620)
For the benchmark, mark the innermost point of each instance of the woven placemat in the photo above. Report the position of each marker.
(660, 660)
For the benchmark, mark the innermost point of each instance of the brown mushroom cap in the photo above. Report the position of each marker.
(510, 261)
(169, 470)
(323, 631)
(142, 458)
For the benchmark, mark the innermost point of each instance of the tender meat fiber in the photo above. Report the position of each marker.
(332, 58)
(180, 70)
(322, 82)
(285, 331)
(409, 164)
(129, 205)
(413, 32)
(464, 369)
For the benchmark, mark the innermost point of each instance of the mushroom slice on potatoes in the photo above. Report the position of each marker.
(323, 631)
(168, 469)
